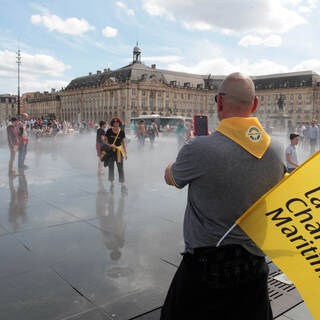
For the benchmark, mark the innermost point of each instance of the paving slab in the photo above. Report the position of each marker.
(38, 295)
(15, 257)
(300, 312)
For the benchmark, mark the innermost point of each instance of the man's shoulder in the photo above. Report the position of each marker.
(289, 148)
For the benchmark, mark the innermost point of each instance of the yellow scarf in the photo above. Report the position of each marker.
(120, 152)
(248, 133)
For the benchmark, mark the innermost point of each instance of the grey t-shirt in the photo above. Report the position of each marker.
(224, 181)
(293, 152)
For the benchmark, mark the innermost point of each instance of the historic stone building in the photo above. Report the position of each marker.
(137, 89)
(8, 106)
(42, 105)
(285, 99)
(289, 99)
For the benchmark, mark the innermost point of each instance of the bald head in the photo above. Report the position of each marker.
(239, 90)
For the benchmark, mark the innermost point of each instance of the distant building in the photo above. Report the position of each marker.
(138, 89)
(46, 105)
(285, 99)
(8, 106)
(300, 97)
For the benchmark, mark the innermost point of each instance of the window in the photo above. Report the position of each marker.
(292, 97)
(167, 104)
(299, 108)
(143, 92)
(181, 95)
(300, 96)
(308, 96)
(143, 103)
(211, 98)
(269, 108)
(167, 94)
(211, 108)
(189, 96)
(175, 95)
(159, 103)
(269, 98)
(159, 94)
(308, 108)
(262, 98)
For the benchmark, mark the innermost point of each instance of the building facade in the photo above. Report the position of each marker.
(8, 106)
(42, 105)
(136, 89)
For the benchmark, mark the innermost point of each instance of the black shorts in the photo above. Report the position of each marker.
(224, 283)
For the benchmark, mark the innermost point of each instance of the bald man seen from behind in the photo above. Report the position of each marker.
(226, 173)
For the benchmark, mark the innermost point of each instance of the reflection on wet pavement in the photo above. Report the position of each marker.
(72, 248)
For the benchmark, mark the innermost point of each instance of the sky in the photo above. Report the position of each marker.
(61, 40)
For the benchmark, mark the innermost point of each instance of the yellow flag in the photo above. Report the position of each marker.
(285, 224)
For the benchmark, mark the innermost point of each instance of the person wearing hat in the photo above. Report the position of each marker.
(116, 139)
(291, 153)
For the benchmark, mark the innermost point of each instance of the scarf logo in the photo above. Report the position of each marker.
(254, 134)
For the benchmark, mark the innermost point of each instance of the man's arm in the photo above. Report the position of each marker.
(289, 159)
(187, 168)
(167, 175)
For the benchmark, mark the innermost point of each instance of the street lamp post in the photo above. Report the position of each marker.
(18, 62)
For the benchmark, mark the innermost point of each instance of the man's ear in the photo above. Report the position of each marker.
(255, 104)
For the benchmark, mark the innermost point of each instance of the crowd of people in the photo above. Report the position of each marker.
(309, 136)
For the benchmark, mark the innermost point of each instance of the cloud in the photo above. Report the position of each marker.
(109, 32)
(312, 64)
(46, 85)
(71, 26)
(222, 66)
(123, 6)
(36, 71)
(304, 9)
(260, 16)
(270, 41)
(167, 59)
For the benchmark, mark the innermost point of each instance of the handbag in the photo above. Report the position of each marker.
(107, 151)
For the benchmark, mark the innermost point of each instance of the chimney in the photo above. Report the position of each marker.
(153, 66)
(90, 73)
(98, 71)
(53, 90)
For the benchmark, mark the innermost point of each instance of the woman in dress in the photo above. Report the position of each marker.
(116, 139)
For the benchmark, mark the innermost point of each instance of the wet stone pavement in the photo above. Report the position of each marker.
(72, 248)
